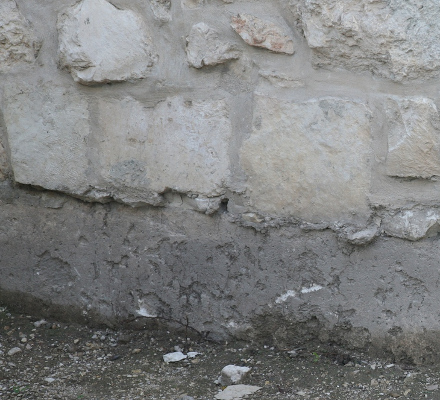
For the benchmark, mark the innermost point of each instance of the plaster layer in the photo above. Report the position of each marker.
(104, 263)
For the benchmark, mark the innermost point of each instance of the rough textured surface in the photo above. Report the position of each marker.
(100, 43)
(180, 145)
(274, 197)
(413, 224)
(135, 167)
(161, 10)
(204, 47)
(413, 138)
(396, 39)
(324, 140)
(18, 45)
(48, 128)
(287, 286)
(257, 32)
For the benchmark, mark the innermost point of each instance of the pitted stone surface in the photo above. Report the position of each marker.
(180, 145)
(396, 39)
(18, 45)
(205, 47)
(315, 163)
(100, 43)
(413, 127)
(48, 129)
(257, 32)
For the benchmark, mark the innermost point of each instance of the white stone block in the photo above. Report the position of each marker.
(18, 45)
(413, 128)
(180, 145)
(413, 224)
(100, 43)
(48, 130)
(309, 160)
(233, 374)
(398, 40)
(204, 47)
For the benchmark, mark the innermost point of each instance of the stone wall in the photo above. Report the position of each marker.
(258, 169)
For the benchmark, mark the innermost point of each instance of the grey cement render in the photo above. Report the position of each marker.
(226, 247)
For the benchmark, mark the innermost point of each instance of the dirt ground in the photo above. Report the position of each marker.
(52, 360)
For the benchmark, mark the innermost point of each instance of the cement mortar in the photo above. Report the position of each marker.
(106, 263)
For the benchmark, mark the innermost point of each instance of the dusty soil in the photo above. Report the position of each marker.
(67, 361)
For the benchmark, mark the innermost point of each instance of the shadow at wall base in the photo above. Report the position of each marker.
(342, 343)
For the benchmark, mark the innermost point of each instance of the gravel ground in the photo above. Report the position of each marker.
(52, 360)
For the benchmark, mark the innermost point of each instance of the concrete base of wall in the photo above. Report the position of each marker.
(106, 263)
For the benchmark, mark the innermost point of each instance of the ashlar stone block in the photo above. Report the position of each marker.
(179, 145)
(309, 160)
(48, 129)
(413, 128)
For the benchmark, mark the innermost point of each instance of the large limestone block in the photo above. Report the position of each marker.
(397, 39)
(100, 43)
(47, 129)
(18, 44)
(179, 145)
(309, 160)
(204, 47)
(413, 129)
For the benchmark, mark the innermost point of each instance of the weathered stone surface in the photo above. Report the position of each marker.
(361, 237)
(179, 145)
(204, 47)
(413, 127)
(161, 10)
(48, 129)
(395, 39)
(18, 45)
(315, 163)
(257, 32)
(100, 43)
(137, 153)
(413, 224)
